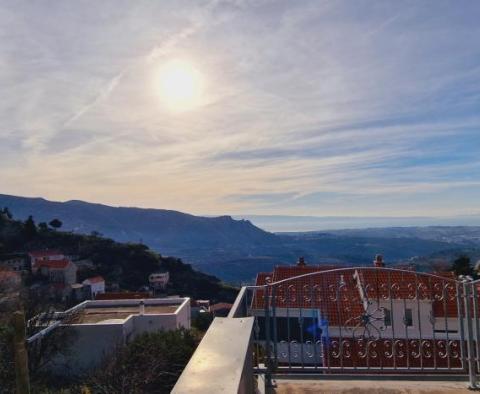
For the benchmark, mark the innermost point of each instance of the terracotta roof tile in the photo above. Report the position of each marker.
(95, 279)
(45, 253)
(54, 264)
(335, 294)
(122, 296)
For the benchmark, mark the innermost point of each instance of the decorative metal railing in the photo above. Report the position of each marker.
(364, 320)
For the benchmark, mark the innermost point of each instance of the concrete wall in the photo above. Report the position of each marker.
(222, 362)
(86, 345)
(184, 315)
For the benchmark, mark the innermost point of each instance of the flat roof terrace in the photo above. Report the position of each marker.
(91, 315)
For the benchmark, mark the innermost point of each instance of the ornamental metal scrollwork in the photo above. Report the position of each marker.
(365, 326)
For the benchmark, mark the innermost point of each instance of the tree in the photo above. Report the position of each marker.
(152, 363)
(462, 266)
(7, 213)
(202, 321)
(30, 228)
(56, 224)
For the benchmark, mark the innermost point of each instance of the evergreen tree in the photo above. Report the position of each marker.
(56, 224)
(7, 213)
(30, 228)
(462, 266)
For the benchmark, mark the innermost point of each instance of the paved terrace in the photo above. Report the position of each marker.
(369, 387)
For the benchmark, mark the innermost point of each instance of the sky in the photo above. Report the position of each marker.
(326, 108)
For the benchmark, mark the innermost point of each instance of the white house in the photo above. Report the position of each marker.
(322, 305)
(38, 256)
(93, 329)
(61, 271)
(159, 280)
(96, 284)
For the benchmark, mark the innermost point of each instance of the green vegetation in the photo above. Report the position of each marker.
(151, 363)
(462, 266)
(55, 223)
(7, 370)
(202, 321)
(126, 264)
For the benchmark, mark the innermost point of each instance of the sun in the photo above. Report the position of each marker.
(179, 85)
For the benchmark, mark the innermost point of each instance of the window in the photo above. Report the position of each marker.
(292, 329)
(387, 317)
(408, 318)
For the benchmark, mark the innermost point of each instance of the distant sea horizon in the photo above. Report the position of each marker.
(287, 223)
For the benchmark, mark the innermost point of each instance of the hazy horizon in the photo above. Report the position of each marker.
(314, 108)
(292, 223)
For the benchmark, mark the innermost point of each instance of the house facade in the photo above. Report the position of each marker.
(61, 271)
(96, 285)
(159, 280)
(41, 256)
(323, 314)
(93, 329)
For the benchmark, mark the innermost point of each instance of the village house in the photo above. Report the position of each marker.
(159, 280)
(14, 261)
(58, 271)
(93, 329)
(96, 285)
(38, 256)
(322, 306)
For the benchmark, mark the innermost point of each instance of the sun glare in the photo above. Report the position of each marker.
(179, 85)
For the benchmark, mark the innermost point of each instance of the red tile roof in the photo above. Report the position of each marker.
(263, 278)
(45, 253)
(379, 283)
(335, 294)
(319, 291)
(54, 264)
(122, 296)
(95, 279)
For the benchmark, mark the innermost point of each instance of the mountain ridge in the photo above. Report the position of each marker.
(236, 250)
(165, 230)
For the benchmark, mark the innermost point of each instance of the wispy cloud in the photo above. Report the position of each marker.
(310, 107)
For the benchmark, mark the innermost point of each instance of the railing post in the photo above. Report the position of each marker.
(274, 322)
(469, 328)
(268, 358)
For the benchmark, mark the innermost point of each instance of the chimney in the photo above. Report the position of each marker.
(378, 262)
(301, 262)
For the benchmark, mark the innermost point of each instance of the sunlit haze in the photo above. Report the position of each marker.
(324, 108)
(179, 85)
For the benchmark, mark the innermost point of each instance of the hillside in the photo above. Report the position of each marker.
(127, 264)
(236, 250)
(173, 233)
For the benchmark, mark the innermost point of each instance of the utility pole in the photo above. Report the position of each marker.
(21, 355)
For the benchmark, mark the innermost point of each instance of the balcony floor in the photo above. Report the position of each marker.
(369, 387)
